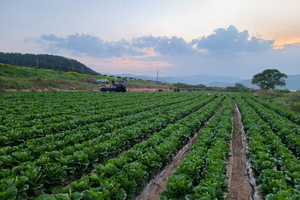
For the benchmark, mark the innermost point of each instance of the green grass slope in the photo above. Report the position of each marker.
(25, 78)
(15, 78)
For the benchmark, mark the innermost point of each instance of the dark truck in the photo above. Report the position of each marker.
(119, 87)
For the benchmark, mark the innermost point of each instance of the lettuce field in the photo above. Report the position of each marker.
(114, 146)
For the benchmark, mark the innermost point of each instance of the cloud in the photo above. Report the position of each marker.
(231, 41)
(93, 46)
(50, 37)
(165, 45)
(89, 45)
(146, 41)
(241, 55)
(222, 42)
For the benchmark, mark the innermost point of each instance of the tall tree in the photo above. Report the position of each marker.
(269, 79)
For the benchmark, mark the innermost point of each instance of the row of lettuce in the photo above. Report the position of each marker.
(149, 136)
(202, 174)
(273, 149)
(273, 140)
(40, 165)
(26, 119)
(125, 176)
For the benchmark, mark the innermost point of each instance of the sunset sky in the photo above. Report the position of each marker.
(174, 37)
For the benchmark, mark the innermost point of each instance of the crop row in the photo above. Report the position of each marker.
(287, 113)
(125, 176)
(287, 130)
(44, 106)
(19, 130)
(85, 136)
(202, 174)
(72, 102)
(55, 167)
(276, 167)
(86, 132)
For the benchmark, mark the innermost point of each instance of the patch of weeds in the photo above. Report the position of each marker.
(295, 106)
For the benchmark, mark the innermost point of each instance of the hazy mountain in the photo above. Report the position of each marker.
(200, 79)
(247, 83)
(292, 82)
(192, 80)
(220, 84)
(206, 79)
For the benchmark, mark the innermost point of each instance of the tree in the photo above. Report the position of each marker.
(269, 79)
(240, 87)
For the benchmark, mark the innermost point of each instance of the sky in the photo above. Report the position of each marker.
(172, 37)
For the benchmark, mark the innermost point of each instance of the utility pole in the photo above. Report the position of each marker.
(157, 77)
(37, 62)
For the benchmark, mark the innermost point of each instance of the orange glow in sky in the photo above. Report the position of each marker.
(123, 65)
(281, 44)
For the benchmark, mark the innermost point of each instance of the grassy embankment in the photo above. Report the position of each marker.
(285, 98)
(15, 78)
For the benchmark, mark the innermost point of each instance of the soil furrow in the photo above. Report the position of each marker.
(239, 171)
(156, 185)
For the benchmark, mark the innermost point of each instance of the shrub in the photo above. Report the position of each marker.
(296, 106)
(284, 91)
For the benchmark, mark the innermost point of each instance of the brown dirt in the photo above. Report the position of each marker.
(155, 187)
(239, 189)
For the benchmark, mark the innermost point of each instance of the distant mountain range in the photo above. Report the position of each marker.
(292, 82)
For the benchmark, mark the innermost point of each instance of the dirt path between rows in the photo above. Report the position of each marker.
(239, 186)
(156, 185)
(239, 171)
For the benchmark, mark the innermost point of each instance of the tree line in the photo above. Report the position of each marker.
(44, 61)
(268, 79)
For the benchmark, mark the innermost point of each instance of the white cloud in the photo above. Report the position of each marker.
(88, 45)
(231, 41)
(225, 52)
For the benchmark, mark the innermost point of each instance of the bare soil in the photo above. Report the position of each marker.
(240, 188)
(155, 187)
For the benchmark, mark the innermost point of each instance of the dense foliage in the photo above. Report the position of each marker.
(273, 149)
(95, 145)
(27, 78)
(44, 61)
(269, 79)
(285, 98)
(203, 172)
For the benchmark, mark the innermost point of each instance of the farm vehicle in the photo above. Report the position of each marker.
(118, 87)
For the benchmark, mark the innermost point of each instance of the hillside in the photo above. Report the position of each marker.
(15, 78)
(44, 61)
